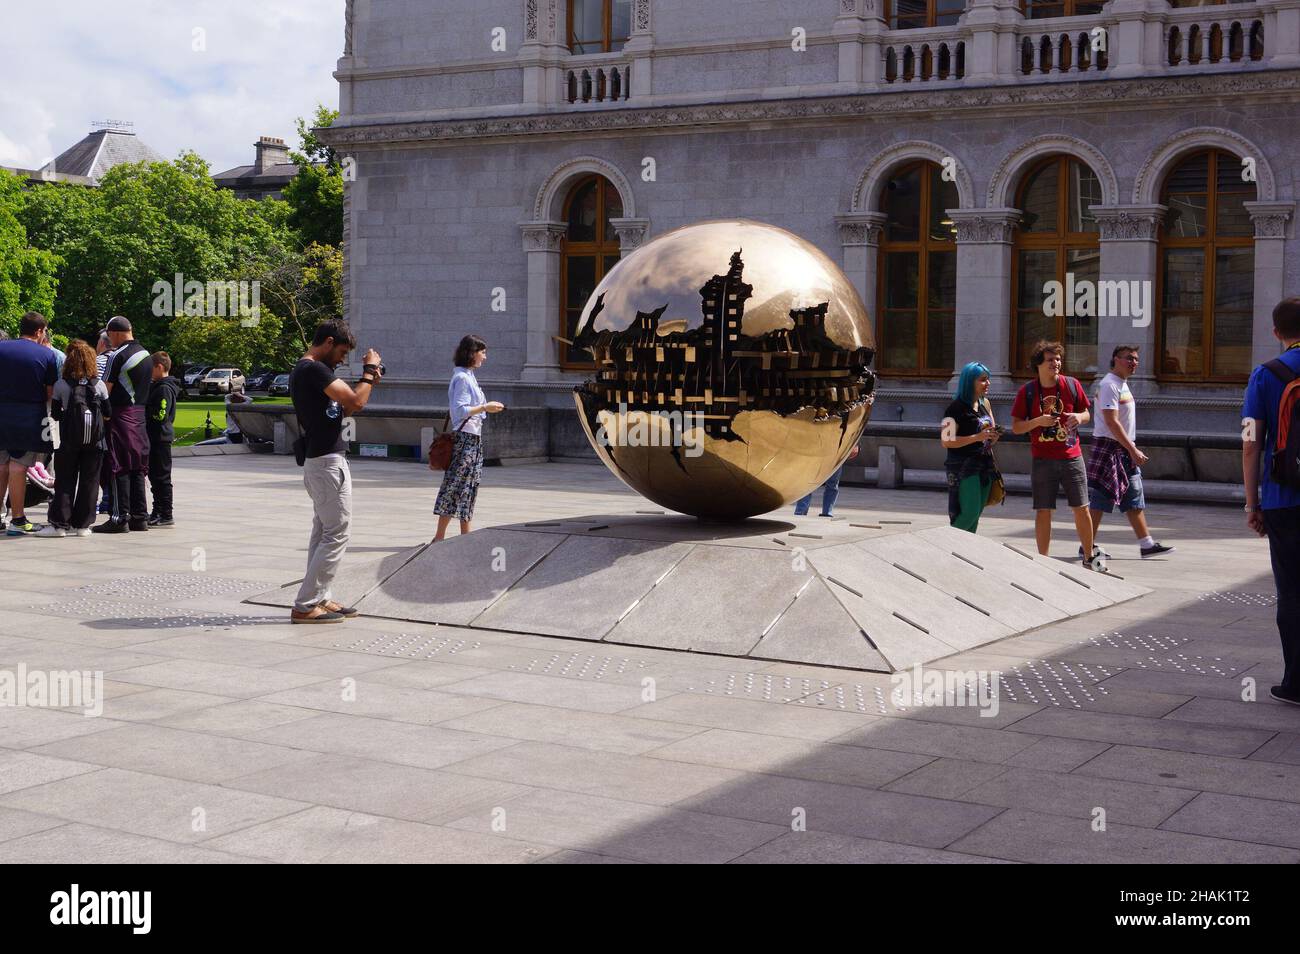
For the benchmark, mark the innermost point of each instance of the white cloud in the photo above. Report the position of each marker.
(69, 63)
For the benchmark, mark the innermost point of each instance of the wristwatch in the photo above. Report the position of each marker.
(1249, 509)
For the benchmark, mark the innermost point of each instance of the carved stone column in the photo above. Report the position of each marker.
(1270, 220)
(1129, 253)
(541, 53)
(991, 55)
(858, 26)
(631, 233)
(640, 47)
(542, 244)
(983, 331)
(860, 239)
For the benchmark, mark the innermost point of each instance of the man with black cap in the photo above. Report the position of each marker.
(127, 378)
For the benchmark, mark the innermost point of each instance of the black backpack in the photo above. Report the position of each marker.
(1285, 466)
(82, 424)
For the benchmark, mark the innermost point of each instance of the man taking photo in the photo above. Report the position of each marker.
(321, 401)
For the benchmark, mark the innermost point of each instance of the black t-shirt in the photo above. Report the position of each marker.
(319, 416)
(129, 371)
(969, 421)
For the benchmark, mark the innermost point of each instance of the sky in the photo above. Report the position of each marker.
(207, 75)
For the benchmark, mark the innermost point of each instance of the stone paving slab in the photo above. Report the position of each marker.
(1032, 836)
(323, 835)
(403, 739)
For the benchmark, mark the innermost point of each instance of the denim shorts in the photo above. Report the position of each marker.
(1047, 474)
(1134, 498)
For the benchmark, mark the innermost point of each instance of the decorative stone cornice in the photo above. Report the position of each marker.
(1259, 87)
(1129, 223)
(1270, 218)
(985, 226)
(543, 236)
(631, 232)
(860, 228)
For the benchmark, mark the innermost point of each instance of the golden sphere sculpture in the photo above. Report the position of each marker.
(731, 369)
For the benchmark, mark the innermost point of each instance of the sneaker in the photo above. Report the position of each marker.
(139, 524)
(50, 530)
(81, 532)
(161, 523)
(346, 611)
(326, 617)
(1277, 693)
(1155, 550)
(110, 526)
(20, 527)
(1095, 551)
(1098, 563)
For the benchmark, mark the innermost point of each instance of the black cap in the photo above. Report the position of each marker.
(118, 323)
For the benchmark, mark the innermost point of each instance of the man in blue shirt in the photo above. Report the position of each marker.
(1273, 509)
(27, 377)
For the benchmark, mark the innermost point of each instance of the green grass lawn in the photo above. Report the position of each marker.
(191, 413)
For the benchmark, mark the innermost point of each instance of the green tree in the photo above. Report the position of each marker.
(146, 223)
(28, 275)
(305, 288)
(315, 194)
(203, 339)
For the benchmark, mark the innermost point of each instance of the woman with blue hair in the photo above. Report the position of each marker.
(969, 433)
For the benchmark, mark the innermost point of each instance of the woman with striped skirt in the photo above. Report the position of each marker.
(467, 407)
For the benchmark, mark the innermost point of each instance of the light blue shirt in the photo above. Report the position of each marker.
(464, 393)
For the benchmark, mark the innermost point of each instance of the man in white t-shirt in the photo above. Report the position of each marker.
(1115, 464)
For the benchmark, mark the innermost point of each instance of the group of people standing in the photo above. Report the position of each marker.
(113, 414)
(1051, 407)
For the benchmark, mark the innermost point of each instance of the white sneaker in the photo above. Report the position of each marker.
(49, 530)
(81, 532)
(1098, 563)
(1095, 550)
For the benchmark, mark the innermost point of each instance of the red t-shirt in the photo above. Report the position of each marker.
(1049, 442)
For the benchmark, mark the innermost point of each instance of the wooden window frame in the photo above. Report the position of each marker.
(1068, 7)
(931, 15)
(598, 249)
(921, 247)
(606, 26)
(1210, 243)
(1062, 242)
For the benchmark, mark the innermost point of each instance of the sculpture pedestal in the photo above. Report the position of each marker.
(878, 595)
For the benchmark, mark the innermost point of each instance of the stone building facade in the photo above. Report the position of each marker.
(955, 160)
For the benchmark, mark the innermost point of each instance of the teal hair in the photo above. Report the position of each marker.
(966, 382)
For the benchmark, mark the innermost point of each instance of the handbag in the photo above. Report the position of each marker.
(441, 447)
(998, 488)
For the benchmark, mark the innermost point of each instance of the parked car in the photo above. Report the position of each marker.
(261, 380)
(222, 381)
(194, 373)
(280, 386)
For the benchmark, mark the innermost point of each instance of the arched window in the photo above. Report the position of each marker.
(599, 26)
(1055, 241)
(589, 250)
(1042, 9)
(1207, 270)
(918, 250)
(915, 14)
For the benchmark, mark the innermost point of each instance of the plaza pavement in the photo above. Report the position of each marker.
(229, 735)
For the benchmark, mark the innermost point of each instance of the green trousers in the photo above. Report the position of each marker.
(972, 491)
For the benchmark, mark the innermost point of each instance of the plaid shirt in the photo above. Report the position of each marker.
(1108, 468)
